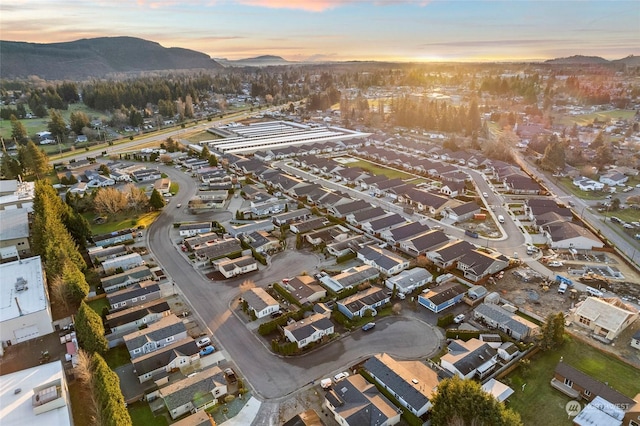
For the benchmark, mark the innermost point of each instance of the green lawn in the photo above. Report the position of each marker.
(121, 221)
(375, 169)
(141, 415)
(117, 357)
(98, 304)
(540, 404)
(35, 125)
(586, 119)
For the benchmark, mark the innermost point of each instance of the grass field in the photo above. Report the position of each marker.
(540, 404)
(120, 221)
(117, 357)
(586, 119)
(141, 415)
(98, 304)
(35, 125)
(375, 169)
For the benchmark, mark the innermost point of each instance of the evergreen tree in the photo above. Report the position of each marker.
(90, 330)
(111, 409)
(213, 160)
(18, 131)
(552, 332)
(463, 402)
(75, 281)
(10, 168)
(78, 120)
(57, 126)
(204, 154)
(554, 157)
(35, 160)
(156, 201)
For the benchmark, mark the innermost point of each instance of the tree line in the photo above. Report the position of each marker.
(58, 232)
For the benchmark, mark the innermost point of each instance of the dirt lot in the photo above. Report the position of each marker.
(526, 289)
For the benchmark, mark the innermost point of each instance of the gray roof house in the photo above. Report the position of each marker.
(157, 335)
(498, 317)
(412, 382)
(356, 402)
(357, 304)
(385, 261)
(381, 224)
(470, 359)
(135, 317)
(350, 277)
(137, 295)
(405, 231)
(198, 392)
(308, 330)
(409, 280)
(424, 242)
(158, 364)
(125, 279)
(260, 302)
(476, 264)
(446, 256)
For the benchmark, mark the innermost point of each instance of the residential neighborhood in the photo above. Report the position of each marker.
(343, 265)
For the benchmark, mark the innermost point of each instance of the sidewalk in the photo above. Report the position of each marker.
(246, 415)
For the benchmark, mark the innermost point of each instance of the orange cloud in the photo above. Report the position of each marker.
(309, 5)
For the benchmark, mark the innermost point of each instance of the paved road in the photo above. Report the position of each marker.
(269, 375)
(627, 247)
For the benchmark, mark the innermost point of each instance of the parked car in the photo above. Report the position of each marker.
(458, 319)
(594, 292)
(230, 375)
(555, 264)
(207, 350)
(368, 326)
(341, 376)
(205, 341)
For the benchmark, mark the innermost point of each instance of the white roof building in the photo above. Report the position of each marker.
(605, 317)
(37, 395)
(25, 312)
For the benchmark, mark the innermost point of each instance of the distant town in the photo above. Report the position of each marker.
(323, 244)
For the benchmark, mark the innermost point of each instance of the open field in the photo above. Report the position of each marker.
(375, 169)
(120, 221)
(539, 404)
(586, 119)
(35, 125)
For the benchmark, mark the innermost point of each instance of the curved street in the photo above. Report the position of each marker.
(272, 376)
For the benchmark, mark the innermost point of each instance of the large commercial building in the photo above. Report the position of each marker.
(37, 395)
(269, 135)
(25, 312)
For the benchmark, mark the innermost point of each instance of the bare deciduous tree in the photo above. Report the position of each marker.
(138, 200)
(110, 201)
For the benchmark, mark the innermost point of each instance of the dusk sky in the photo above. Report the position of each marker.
(339, 30)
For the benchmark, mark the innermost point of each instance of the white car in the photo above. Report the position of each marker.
(205, 341)
(341, 376)
(485, 195)
(459, 319)
(555, 264)
(594, 292)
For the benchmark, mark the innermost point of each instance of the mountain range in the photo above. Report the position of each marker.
(95, 58)
(129, 56)
(630, 60)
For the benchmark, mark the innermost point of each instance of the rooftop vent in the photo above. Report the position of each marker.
(21, 284)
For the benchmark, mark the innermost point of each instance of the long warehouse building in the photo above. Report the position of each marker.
(238, 139)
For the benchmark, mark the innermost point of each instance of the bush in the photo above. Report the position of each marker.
(462, 334)
(445, 320)
(345, 258)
